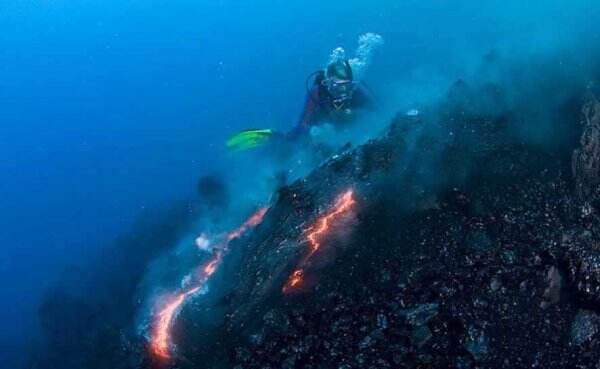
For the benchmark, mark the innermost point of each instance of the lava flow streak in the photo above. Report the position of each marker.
(321, 227)
(342, 205)
(161, 334)
(253, 221)
(211, 267)
(295, 280)
(160, 341)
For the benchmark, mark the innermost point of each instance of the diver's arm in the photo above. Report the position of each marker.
(309, 113)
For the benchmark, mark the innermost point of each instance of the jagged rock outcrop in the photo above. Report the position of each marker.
(586, 159)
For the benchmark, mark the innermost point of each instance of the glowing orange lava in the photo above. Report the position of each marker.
(295, 280)
(253, 221)
(211, 267)
(343, 204)
(160, 341)
(161, 334)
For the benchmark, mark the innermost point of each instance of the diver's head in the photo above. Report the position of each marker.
(339, 81)
(339, 70)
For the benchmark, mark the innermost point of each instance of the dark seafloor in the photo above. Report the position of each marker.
(472, 245)
(470, 248)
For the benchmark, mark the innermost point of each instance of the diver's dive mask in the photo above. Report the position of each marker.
(340, 90)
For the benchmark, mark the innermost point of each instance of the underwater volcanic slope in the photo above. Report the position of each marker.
(451, 241)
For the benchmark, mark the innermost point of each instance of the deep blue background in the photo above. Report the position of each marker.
(109, 107)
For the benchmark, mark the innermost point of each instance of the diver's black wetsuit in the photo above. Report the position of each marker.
(319, 107)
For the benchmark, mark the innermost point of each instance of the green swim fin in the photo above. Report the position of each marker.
(249, 139)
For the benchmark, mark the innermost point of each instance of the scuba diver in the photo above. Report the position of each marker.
(334, 97)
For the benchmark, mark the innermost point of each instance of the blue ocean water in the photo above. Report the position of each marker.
(109, 108)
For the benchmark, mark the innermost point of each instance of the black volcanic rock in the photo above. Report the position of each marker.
(468, 251)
